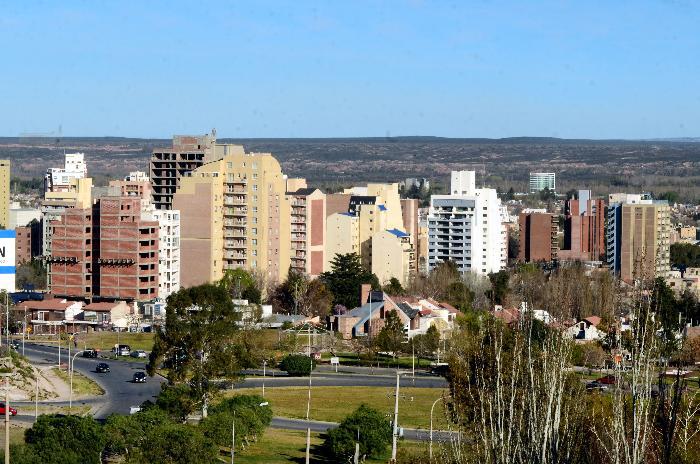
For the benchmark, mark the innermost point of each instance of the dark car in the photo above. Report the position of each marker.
(90, 353)
(14, 344)
(607, 380)
(139, 377)
(13, 411)
(102, 368)
(596, 386)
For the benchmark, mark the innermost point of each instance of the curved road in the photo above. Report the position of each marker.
(120, 392)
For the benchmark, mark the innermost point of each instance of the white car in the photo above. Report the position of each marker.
(138, 354)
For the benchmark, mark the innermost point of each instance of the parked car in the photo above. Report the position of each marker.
(89, 353)
(139, 377)
(13, 411)
(122, 350)
(102, 368)
(607, 380)
(138, 354)
(596, 386)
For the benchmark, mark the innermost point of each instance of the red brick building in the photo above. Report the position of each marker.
(106, 252)
(127, 264)
(538, 237)
(584, 231)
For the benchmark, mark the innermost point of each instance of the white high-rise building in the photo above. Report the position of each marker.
(59, 179)
(168, 251)
(543, 180)
(465, 227)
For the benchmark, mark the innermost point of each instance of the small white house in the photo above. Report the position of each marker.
(586, 330)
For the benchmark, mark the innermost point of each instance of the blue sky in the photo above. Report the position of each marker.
(614, 69)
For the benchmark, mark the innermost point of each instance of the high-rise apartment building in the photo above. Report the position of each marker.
(234, 213)
(5, 194)
(64, 188)
(542, 180)
(308, 228)
(169, 165)
(136, 184)
(393, 255)
(107, 251)
(59, 179)
(584, 228)
(638, 238)
(168, 251)
(538, 237)
(465, 227)
(127, 259)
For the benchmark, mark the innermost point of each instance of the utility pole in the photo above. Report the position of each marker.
(233, 435)
(396, 418)
(308, 402)
(7, 418)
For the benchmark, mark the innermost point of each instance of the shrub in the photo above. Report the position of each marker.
(374, 435)
(297, 365)
(66, 439)
(251, 419)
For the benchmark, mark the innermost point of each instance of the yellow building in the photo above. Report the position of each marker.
(393, 256)
(4, 194)
(342, 236)
(234, 214)
(372, 210)
(645, 241)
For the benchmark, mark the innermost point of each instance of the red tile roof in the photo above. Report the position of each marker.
(53, 304)
(594, 320)
(101, 306)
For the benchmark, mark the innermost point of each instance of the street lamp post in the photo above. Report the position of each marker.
(430, 449)
(36, 392)
(24, 328)
(70, 366)
(263, 390)
(396, 417)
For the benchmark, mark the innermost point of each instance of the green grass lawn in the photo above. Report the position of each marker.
(81, 384)
(333, 404)
(105, 341)
(284, 446)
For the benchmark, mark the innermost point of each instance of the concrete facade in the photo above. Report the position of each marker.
(234, 213)
(465, 227)
(308, 230)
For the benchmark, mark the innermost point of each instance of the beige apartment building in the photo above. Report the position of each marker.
(4, 194)
(373, 210)
(308, 228)
(393, 256)
(645, 240)
(234, 213)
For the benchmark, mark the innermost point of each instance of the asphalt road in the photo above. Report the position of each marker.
(320, 427)
(120, 392)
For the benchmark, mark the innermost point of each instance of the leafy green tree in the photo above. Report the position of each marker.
(300, 295)
(125, 435)
(176, 400)
(663, 302)
(394, 287)
(31, 274)
(177, 444)
(240, 285)
(250, 417)
(499, 287)
(197, 340)
(66, 439)
(345, 278)
(685, 255)
(391, 338)
(460, 296)
(365, 426)
(297, 365)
